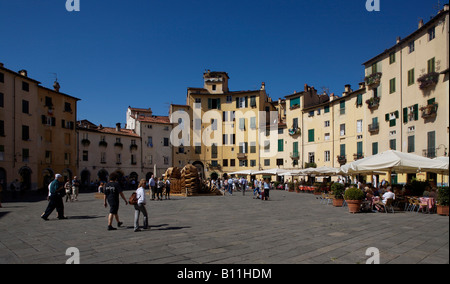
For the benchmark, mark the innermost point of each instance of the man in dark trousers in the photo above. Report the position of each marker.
(56, 194)
(112, 192)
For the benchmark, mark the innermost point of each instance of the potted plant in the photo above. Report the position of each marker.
(353, 196)
(337, 190)
(442, 201)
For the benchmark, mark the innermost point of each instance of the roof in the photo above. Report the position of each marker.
(17, 74)
(426, 26)
(86, 125)
(154, 119)
(149, 110)
(59, 93)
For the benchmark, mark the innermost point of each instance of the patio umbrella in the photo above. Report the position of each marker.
(244, 172)
(394, 161)
(272, 172)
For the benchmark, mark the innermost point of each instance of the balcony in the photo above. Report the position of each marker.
(294, 131)
(429, 152)
(358, 156)
(428, 80)
(373, 79)
(242, 156)
(133, 147)
(342, 160)
(429, 111)
(374, 128)
(373, 102)
(295, 155)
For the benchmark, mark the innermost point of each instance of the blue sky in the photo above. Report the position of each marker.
(145, 53)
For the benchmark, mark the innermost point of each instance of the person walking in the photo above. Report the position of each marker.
(152, 186)
(68, 189)
(55, 197)
(167, 189)
(266, 189)
(159, 188)
(140, 206)
(75, 188)
(112, 192)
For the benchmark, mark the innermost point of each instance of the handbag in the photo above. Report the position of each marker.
(133, 199)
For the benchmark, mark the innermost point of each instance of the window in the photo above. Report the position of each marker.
(431, 33)
(242, 102)
(359, 126)
(311, 135)
(133, 159)
(411, 113)
(327, 136)
(253, 101)
(359, 148)
(48, 102)
(280, 145)
(25, 107)
(252, 147)
(229, 99)
(392, 86)
(214, 104)
(374, 148)
(280, 162)
(252, 163)
(25, 86)
(103, 157)
(359, 100)
(295, 102)
(118, 159)
(214, 87)
(342, 129)
(411, 147)
(67, 107)
(266, 162)
(25, 133)
(198, 149)
(2, 100)
(149, 141)
(224, 139)
(392, 58)
(393, 144)
(432, 65)
(411, 47)
(25, 155)
(243, 147)
(326, 109)
(327, 123)
(2, 152)
(166, 142)
(411, 79)
(242, 123)
(166, 160)
(327, 156)
(253, 124)
(295, 123)
(225, 162)
(311, 157)
(85, 156)
(2, 78)
(232, 163)
(342, 107)
(342, 150)
(431, 143)
(198, 103)
(2, 128)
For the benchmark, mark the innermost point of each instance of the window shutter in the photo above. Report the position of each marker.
(237, 102)
(246, 102)
(386, 117)
(43, 119)
(416, 112)
(405, 115)
(218, 104)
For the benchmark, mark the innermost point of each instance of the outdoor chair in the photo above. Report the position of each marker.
(388, 206)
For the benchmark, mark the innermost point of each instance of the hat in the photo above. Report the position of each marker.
(57, 176)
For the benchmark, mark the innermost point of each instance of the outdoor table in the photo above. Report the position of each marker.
(428, 200)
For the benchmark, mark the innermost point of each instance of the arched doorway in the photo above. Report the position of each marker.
(85, 179)
(103, 175)
(25, 178)
(201, 169)
(47, 177)
(67, 174)
(3, 181)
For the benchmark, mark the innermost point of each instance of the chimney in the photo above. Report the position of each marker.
(332, 97)
(1, 64)
(348, 88)
(306, 87)
(362, 85)
(420, 23)
(56, 86)
(398, 39)
(23, 72)
(446, 6)
(118, 127)
(263, 86)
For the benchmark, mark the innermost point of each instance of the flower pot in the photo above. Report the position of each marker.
(442, 210)
(338, 202)
(354, 206)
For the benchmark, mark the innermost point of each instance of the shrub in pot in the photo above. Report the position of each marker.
(443, 201)
(354, 197)
(337, 190)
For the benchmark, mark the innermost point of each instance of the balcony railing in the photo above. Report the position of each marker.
(295, 155)
(428, 80)
(429, 111)
(429, 152)
(358, 156)
(374, 127)
(242, 156)
(342, 160)
(373, 102)
(373, 79)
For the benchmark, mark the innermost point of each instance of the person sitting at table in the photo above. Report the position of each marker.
(368, 200)
(388, 195)
(433, 193)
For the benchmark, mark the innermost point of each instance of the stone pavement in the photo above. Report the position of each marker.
(292, 228)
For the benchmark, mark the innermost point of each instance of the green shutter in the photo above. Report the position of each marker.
(416, 112)
(386, 117)
(237, 102)
(311, 135)
(431, 101)
(295, 147)
(405, 115)
(280, 145)
(359, 100)
(374, 148)
(342, 148)
(359, 148)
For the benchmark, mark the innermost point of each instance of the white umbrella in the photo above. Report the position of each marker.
(243, 172)
(273, 172)
(394, 161)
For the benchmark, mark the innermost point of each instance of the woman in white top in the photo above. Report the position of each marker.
(140, 206)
